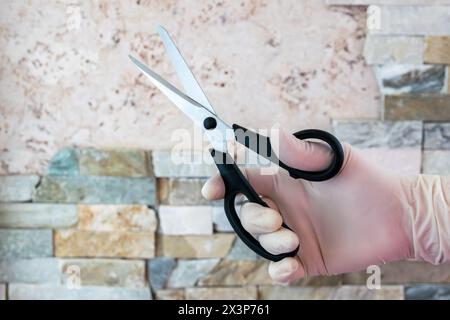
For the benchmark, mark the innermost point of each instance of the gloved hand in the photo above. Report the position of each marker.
(363, 216)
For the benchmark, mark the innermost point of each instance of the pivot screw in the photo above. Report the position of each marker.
(209, 123)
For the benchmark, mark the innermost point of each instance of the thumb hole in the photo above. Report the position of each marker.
(301, 154)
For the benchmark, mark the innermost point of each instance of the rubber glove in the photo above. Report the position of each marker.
(363, 216)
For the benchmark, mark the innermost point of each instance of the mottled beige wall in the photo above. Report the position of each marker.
(67, 82)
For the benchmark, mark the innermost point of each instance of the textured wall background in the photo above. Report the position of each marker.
(91, 205)
(66, 78)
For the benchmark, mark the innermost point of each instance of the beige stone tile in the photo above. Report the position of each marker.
(213, 246)
(78, 243)
(437, 50)
(116, 218)
(170, 294)
(237, 273)
(127, 163)
(242, 293)
(431, 107)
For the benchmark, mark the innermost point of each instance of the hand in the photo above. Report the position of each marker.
(345, 224)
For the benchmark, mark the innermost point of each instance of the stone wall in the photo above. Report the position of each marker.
(120, 220)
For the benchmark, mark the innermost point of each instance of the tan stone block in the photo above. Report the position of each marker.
(182, 191)
(237, 273)
(244, 293)
(2, 292)
(430, 107)
(126, 163)
(170, 294)
(106, 272)
(437, 50)
(402, 272)
(316, 281)
(211, 246)
(78, 243)
(330, 293)
(116, 218)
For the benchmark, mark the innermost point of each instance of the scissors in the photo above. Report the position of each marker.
(197, 107)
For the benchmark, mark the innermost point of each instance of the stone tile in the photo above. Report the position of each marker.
(183, 164)
(376, 134)
(78, 243)
(245, 293)
(430, 107)
(96, 190)
(319, 281)
(64, 162)
(362, 293)
(413, 20)
(388, 49)
(330, 293)
(183, 191)
(37, 215)
(401, 161)
(220, 220)
(125, 163)
(237, 273)
(185, 220)
(116, 218)
(188, 272)
(240, 251)
(19, 291)
(105, 272)
(2, 291)
(159, 270)
(448, 81)
(17, 188)
(397, 78)
(25, 243)
(38, 270)
(436, 162)
(170, 294)
(213, 246)
(427, 292)
(437, 136)
(403, 272)
(437, 50)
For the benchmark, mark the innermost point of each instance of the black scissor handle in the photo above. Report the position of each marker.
(235, 184)
(262, 146)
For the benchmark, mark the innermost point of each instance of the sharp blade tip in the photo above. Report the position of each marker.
(160, 29)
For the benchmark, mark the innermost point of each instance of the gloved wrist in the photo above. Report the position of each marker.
(429, 215)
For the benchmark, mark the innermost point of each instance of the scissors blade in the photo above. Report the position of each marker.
(187, 78)
(191, 108)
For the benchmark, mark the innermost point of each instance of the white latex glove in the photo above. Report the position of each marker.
(363, 216)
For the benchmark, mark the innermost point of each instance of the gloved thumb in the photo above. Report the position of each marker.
(302, 154)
